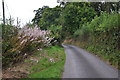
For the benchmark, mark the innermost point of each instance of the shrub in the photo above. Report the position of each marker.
(83, 33)
(23, 43)
(104, 38)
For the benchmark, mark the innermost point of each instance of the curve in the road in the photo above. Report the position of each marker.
(81, 64)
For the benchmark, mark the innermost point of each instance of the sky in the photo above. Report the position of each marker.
(23, 9)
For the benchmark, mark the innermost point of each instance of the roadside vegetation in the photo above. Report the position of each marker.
(18, 43)
(50, 65)
(101, 37)
(94, 26)
(90, 25)
(43, 63)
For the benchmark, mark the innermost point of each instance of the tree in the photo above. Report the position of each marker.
(38, 14)
(76, 14)
(105, 6)
(50, 17)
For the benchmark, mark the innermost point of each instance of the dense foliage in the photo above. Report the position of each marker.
(95, 24)
(19, 43)
(101, 36)
(76, 14)
(64, 20)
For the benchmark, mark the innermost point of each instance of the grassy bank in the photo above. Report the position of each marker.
(51, 63)
(44, 63)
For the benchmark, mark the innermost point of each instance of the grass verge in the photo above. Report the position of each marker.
(51, 63)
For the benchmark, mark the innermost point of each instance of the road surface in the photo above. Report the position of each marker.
(81, 64)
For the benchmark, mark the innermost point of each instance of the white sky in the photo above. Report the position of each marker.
(23, 9)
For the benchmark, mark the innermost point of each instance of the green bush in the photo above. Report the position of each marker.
(8, 32)
(83, 33)
(104, 38)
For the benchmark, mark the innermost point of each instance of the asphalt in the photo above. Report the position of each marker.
(82, 64)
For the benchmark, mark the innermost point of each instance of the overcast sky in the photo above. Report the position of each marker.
(23, 9)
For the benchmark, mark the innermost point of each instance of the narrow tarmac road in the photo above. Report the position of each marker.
(81, 64)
